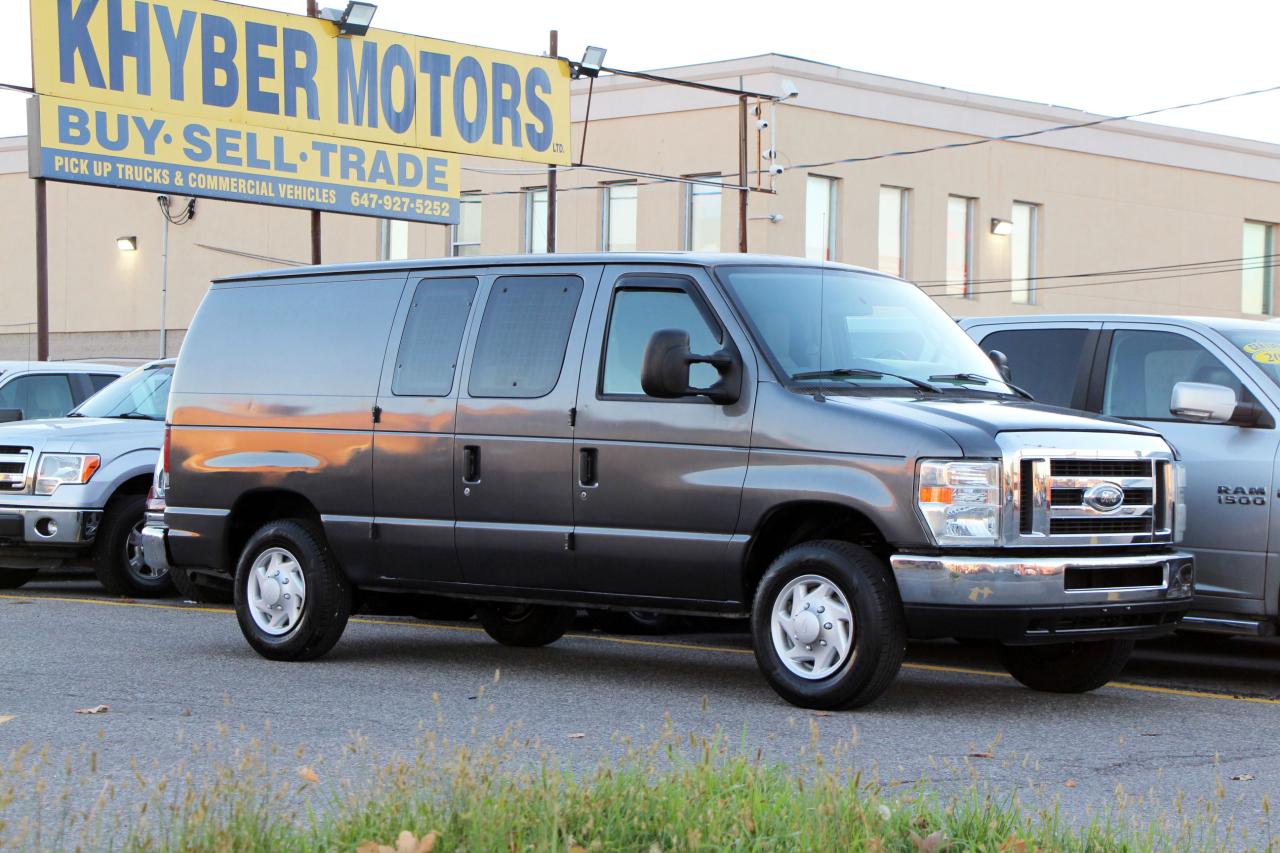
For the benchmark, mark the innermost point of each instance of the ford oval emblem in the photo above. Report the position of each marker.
(1104, 497)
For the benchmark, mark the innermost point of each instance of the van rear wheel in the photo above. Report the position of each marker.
(292, 599)
(525, 625)
(14, 578)
(1068, 667)
(827, 626)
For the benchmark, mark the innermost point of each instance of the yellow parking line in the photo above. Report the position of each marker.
(657, 644)
(4, 719)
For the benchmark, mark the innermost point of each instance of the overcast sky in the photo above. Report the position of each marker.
(1113, 57)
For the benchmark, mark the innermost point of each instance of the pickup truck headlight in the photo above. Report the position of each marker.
(960, 501)
(56, 469)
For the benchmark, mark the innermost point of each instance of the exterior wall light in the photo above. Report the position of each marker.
(127, 244)
(1001, 227)
(592, 62)
(355, 20)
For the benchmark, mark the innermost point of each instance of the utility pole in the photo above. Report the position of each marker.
(551, 170)
(313, 11)
(42, 271)
(742, 173)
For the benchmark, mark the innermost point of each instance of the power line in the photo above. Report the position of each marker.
(1229, 264)
(1099, 283)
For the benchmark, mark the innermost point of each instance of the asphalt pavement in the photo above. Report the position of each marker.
(1192, 720)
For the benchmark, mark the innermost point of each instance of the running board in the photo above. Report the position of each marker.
(1218, 625)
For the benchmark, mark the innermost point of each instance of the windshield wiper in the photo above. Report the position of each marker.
(975, 379)
(74, 415)
(870, 374)
(135, 416)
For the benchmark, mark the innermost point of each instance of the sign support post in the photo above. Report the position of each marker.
(313, 11)
(42, 271)
(551, 171)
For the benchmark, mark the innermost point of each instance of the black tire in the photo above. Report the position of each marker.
(14, 578)
(631, 621)
(117, 552)
(1067, 667)
(202, 588)
(525, 625)
(879, 631)
(326, 604)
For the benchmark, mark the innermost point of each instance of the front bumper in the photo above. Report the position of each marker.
(38, 526)
(1044, 599)
(155, 545)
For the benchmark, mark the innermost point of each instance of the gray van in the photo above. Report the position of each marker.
(817, 447)
(1211, 386)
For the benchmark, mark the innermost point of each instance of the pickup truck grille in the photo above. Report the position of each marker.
(14, 465)
(1087, 501)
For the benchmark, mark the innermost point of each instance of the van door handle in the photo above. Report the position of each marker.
(587, 459)
(471, 464)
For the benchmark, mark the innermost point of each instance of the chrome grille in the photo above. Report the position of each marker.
(14, 465)
(1048, 490)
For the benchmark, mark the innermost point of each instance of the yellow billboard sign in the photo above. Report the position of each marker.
(91, 143)
(222, 63)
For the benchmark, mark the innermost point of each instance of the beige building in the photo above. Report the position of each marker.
(1159, 217)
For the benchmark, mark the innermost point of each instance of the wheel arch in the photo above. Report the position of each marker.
(255, 508)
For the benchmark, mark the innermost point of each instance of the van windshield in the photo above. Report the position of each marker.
(841, 330)
(142, 394)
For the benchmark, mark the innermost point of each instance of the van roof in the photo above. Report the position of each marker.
(703, 259)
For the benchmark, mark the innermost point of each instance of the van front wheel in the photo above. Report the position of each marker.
(1067, 667)
(828, 626)
(525, 624)
(292, 600)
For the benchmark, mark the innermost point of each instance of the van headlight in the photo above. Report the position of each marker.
(960, 501)
(56, 469)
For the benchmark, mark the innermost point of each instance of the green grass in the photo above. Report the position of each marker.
(676, 793)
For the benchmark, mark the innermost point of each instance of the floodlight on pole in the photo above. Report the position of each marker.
(591, 64)
(355, 20)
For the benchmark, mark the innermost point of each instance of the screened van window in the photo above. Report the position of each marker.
(428, 355)
(1046, 362)
(1145, 366)
(637, 314)
(523, 334)
(38, 396)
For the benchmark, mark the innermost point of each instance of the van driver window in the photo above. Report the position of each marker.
(636, 315)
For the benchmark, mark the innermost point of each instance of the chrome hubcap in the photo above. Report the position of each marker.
(277, 591)
(133, 559)
(813, 628)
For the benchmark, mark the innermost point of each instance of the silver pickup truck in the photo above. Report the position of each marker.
(819, 448)
(74, 488)
(1211, 387)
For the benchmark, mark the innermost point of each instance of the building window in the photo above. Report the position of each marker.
(893, 231)
(535, 220)
(959, 244)
(702, 215)
(621, 202)
(1024, 244)
(465, 240)
(393, 239)
(1257, 283)
(820, 218)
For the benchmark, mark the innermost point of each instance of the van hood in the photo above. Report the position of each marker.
(974, 422)
(78, 434)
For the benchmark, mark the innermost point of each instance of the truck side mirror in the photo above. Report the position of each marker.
(1203, 402)
(664, 373)
(1001, 362)
(11, 415)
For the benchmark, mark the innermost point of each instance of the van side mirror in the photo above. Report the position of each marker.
(1204, 403)
(664, 373)
(1001, 362)
(11, 415)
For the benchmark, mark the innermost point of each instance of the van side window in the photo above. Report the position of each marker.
(428, 355)
(1047, 362)
(635, 315)
(1144, 367)
(523, 335)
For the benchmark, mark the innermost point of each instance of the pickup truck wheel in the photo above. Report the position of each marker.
(827, 626)
(14, 578)
(117, 552)
(525, 624)
(201, 588)
(292, 600)
(1068, 667)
